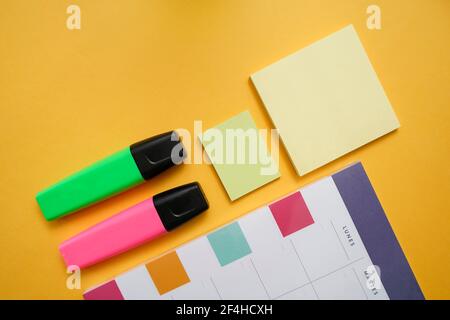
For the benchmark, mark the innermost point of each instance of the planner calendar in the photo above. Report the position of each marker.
(328, 240)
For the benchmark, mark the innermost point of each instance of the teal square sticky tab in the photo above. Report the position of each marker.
(229, 244)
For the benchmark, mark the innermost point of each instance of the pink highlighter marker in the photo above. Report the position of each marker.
(134, 226)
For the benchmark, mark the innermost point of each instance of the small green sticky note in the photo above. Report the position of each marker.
(239, 153)
(229, 243)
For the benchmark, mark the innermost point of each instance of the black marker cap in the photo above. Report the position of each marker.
(180, 204)
(157, 154)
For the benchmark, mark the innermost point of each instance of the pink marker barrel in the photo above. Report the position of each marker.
(134, 226)
(122, 232)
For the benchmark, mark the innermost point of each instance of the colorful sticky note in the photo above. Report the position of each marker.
(291, 214)
(325, 100)
(239, 155)
(106, 291)
(167, 272)
(229, 243)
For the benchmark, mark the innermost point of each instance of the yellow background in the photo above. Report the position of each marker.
(138, 68)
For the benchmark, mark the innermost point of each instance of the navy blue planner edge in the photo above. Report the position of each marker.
(376, 233)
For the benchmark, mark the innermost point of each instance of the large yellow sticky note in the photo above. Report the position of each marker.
(326, 100)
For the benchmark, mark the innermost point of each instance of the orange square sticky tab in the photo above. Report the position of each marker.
(167, 272)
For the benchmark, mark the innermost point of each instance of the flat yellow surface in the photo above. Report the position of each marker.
(138, 68)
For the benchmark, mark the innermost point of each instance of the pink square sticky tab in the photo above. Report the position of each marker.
(291, 214)
(107, 291)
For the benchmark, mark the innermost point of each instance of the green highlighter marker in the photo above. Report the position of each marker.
(112, 175)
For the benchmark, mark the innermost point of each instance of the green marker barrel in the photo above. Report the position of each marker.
(112, 175)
